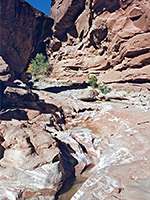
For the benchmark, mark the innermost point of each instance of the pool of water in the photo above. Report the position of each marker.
(71, 187)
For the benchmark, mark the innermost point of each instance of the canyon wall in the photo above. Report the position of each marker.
(110, 39)
(22, 32)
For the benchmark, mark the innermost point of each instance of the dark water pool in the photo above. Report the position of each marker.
(71, 187)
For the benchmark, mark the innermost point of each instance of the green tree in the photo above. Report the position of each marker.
(40, 65)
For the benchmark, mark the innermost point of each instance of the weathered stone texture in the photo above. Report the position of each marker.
(23, 30)
(111, 37)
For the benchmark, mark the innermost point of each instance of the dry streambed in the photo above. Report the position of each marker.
(107, 144)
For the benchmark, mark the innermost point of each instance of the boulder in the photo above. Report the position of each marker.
(5, 74)
(88, 94)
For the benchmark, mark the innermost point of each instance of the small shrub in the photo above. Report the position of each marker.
(92, 81)
(39, 66)
(104, 88)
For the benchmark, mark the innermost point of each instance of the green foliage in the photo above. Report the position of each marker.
(39, 65)
(104, 88)
(92, 81)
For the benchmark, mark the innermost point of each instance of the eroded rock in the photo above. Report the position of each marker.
(23, 30)
(5, 74)
(112, 37)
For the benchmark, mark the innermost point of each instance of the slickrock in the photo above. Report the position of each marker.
(33, 160)
(46, 141)
(123, 170)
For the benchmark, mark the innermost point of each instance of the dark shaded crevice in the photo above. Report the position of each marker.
(104, 6)
(127, 5)
(133, 67)
(19, 196)
(117, 45)
(85, 109)
(67, 185)
(2, 150)
(68, 162)
(67, 165)
(70, 149)
(122, 68)
(53, 2)
(64, 88)
(73, 31)
(1, 139)
(67, 22)
(135, 18)
(31, 146)
(56, 158)
(138, 81)
(83, 148)
(81, 35)
(15, 113)
(87, 167)
(134, 54)
(91, 15)
(75, 68)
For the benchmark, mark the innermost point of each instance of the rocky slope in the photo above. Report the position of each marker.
(22, 32)
(47, 138)
(52, 134)
(110, 39)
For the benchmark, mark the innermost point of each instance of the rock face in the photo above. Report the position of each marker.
(51, 134)
(23, 30)
(5, 74)
(108, 38)
(34, 161)
(65, 14)
(123, 170)
(47, 138)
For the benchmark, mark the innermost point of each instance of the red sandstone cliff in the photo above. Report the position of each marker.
(108, 38)
(22, 32)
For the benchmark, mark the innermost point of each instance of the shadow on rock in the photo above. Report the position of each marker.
(64, 88)
(18, 114)
(17, 102)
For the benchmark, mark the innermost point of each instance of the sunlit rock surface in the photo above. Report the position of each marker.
(109, 39)
(123, 170)
(54, 137)
(52, 134)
